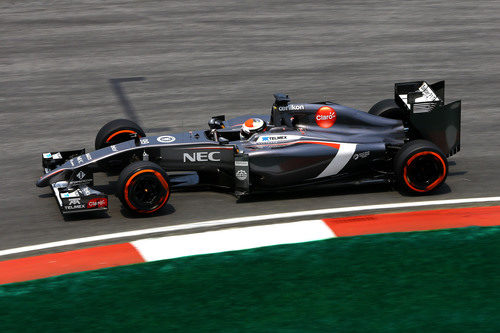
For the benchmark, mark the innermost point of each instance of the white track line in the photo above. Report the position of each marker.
(237, 220)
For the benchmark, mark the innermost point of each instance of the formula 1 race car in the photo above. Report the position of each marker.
(404, 141)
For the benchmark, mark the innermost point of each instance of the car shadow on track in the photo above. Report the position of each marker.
(166, 210)
(86, 216)
(455, 173)
(331, 191)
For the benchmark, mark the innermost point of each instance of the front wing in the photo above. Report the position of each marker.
(75, 195)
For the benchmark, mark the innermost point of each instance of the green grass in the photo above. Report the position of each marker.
(438, 281)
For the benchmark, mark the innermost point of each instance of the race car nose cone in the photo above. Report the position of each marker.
(41, 182)
(45, 179)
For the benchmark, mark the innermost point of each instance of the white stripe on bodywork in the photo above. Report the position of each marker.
(343, 156)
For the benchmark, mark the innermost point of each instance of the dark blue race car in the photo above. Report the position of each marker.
(404, 141)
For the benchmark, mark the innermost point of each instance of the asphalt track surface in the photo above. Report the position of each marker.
(68, 67)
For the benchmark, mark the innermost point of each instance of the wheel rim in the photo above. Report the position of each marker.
(424, 171)
(146, 191)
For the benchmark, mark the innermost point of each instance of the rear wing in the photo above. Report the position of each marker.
(427, 115)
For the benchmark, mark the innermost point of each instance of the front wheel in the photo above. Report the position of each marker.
(143, 187)
(420, 167)
(113, 133)
(117, 131)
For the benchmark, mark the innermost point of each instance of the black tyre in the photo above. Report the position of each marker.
(117, 131)
(420, 167)
(387, 109)
(143, 187)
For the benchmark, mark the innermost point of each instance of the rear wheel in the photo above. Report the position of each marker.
(387, 108)
(420, 167)
(143, 187)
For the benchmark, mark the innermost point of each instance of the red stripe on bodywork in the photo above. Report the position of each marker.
(415, 221)
(329, 144)
(43, 266)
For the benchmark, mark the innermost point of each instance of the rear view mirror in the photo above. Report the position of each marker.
(216, 122)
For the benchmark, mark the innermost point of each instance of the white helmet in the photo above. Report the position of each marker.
(251, 126)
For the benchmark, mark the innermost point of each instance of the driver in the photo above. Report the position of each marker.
(252, 126)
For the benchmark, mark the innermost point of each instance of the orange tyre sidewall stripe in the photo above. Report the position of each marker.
(120, 132)
(159, 177)
(436, 182)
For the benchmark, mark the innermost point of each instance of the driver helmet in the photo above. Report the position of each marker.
(251, 126)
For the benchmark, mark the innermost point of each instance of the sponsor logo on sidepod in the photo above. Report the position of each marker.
(325, 117)
(278, 138)
(165, 139)
(274, 138)
(201, 156)
(364, 154)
